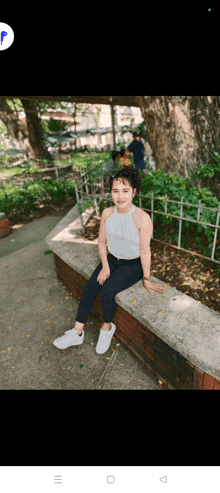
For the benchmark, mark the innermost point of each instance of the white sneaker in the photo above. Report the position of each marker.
(105, 338)
(71, 338)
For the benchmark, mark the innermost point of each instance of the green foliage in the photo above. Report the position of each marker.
(141, 128)
(25, 196)
(176, 187)
(19, 197)
(211, 170)
(15, 198)
(48, 252)
(56, 125)
(93, 177)
(40, 191)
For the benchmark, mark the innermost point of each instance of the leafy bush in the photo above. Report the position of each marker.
(56, 125)
(20, 197)
(15, 198)
(176, 187)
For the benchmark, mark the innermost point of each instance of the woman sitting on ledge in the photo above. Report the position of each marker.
(127, 231)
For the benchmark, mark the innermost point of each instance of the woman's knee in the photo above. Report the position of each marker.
(121, 280)
(92, 281)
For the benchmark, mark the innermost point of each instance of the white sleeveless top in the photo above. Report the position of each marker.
(122, 235)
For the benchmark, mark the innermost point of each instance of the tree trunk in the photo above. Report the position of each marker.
(75, 123)
(35, 130)
(15, 126)
(183, 131)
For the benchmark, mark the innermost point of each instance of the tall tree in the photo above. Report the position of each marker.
(183, 131)
(30, 137)
(35, 130)
(14, 126)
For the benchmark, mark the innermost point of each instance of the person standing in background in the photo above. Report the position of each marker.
(140, 136)
(137, 148)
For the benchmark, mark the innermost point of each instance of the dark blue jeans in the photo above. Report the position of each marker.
(124, 273)
(140, 164)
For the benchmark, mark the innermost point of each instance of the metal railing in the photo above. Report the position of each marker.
(181, 217)
(85, 181)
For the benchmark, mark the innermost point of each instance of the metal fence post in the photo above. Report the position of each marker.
(140, 203)
(56, 171)
(216, 232)
(199, 209)
(165, 204)
(165, 211)
(78, 202)
(152, 205)
(65, 185)
(180, 223)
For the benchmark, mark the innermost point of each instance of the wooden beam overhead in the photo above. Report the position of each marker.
(116, 100)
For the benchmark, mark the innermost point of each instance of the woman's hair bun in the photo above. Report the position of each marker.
(131, 174)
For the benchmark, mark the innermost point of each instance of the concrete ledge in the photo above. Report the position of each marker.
(174, 335)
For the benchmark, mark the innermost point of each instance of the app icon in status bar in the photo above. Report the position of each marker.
(6, 36)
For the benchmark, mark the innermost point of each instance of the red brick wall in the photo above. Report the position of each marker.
(4, 227)
(167, 364)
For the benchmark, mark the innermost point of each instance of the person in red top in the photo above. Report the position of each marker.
(123, 157)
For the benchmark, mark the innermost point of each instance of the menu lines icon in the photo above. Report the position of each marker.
(57, 479)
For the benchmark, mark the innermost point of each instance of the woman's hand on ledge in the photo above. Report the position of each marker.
(149, 286)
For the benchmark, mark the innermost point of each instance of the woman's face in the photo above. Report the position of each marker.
(122, 194)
